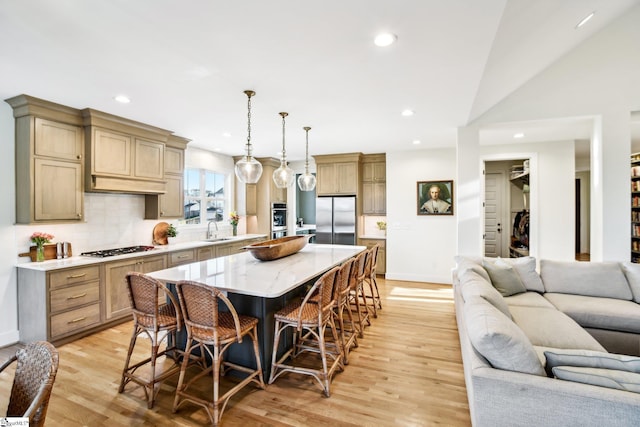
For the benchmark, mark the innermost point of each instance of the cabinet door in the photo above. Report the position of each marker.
(379, 171)
(172, 202)
(252, 199)
(173, 160)
(347, 178)
(326, 175)
(380, 198)
(57, 190)
(149, 159)
(206, 253)
(110, 153)
(116, 295)
(59, 140)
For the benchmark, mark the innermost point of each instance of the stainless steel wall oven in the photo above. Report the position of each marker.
(278, 220)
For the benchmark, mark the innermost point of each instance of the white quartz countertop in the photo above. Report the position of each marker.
(79, 260)
(306, 227)
(243, 274)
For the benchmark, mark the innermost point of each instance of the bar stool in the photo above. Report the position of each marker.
(157, 321)
(357, 299)
(208, 327)
(310, 319)
(347, 327)
(370, 280)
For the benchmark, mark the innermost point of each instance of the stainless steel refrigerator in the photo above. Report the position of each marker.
(336, 220)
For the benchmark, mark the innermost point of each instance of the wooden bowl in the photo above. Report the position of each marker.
(269, 250)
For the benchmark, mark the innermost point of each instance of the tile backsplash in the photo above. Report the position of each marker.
(112, 221)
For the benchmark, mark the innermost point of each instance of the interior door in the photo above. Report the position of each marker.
(493, 223)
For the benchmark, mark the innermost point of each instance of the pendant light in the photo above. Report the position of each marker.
(283, 176)
(307, 181)
(248, 169)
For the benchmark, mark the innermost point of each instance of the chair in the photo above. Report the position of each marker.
(309, 319)
(370, 279)
(208, 327)
(357, 299)
(157, 320)
(37, 365)
(342, 288)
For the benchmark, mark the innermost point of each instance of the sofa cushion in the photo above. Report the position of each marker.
(472, 284)
(632, 272)
(549, 327)
(610, 378)
(498, 339)
(600, 313)
(591, 359)
(596, 279)
(531, 299)
(526, 268)
(465, 263)
(504, 278)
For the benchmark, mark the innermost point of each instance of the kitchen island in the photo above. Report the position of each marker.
(260, 288)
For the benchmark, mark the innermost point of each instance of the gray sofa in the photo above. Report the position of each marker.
(557, 348)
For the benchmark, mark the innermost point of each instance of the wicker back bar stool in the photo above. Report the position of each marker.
(310, 320)
(372, 294)
(357, 299)
(157, 320)
(213, 331)
(35, 373)
(346, 326)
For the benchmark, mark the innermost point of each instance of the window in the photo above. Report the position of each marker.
(203, 188)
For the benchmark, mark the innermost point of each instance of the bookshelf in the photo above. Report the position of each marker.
(635, 207)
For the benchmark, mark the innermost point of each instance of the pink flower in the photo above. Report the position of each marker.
(40, 238)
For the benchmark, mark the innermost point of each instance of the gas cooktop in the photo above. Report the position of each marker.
(118, 251)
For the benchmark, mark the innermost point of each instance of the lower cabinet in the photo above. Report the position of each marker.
(382, 252)
(206, 253)
(117, 304)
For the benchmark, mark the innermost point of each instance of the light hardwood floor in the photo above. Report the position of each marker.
(406, 372)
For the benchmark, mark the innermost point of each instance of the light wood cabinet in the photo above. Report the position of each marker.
(261, 195)
(337, 174)
(48, 161)
(382, 252)
(123, 155)
(171, 203)
(208, 252)
(184, 256)
(374, 185)
(117, 304)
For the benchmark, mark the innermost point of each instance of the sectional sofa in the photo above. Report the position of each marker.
(559, 348)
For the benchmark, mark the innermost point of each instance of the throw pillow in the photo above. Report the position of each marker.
(473, 284)
(526, 269)
(498, 339)
(610, 378)
(632, 273)
(591, 359)
(504, 278)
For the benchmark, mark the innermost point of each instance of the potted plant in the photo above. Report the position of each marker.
(171, 231)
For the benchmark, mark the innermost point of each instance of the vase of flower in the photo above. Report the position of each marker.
(233, 220)
(40, 238)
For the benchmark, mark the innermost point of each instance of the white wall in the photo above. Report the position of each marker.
(419, 248)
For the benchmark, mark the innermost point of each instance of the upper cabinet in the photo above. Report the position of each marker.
(124, 155)
(171, 203)
(337, 174)
(374, 184)
(49, 161)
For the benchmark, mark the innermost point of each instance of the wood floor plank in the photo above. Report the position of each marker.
(407, 371)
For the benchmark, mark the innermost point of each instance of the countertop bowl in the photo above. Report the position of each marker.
(278, 248)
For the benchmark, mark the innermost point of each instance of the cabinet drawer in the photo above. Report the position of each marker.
(182, 257)
(59, 279)
(75, 320)
(74, 296)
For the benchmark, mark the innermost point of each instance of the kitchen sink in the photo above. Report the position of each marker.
(217, 239)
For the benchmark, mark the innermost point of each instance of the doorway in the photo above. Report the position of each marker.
(506, 208)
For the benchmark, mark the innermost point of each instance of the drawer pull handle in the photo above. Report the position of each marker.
(183, 256)
(75, 276)
(79, 319)
(78, 296)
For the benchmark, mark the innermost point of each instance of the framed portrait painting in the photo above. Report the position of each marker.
(435, 198)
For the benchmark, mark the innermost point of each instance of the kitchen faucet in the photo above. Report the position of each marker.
(209, 229)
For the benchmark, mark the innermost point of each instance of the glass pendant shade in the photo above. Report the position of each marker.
(307, 181)
(283, 177)
(248, 169)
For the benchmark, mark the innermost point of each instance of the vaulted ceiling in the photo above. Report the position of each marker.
(186, 64)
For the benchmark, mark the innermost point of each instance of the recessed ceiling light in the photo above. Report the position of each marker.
(416, 142)
(123, 99)
(518, 135)
(585, 19)
(227, 134)
(385, 39)
(407, 113)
